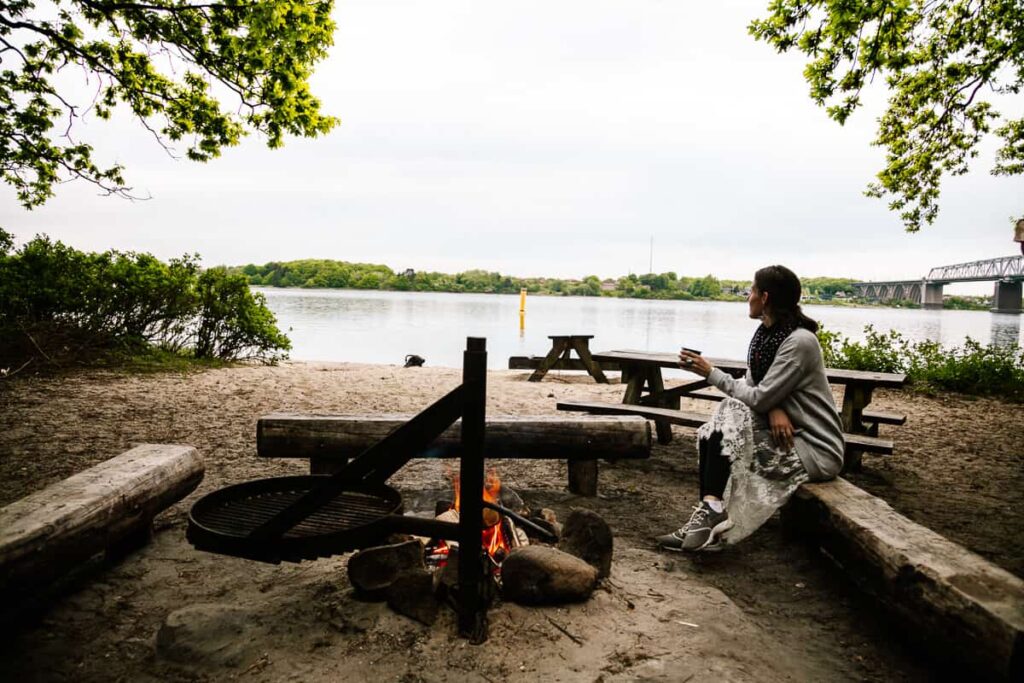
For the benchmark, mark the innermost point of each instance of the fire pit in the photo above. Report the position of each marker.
(297, 518)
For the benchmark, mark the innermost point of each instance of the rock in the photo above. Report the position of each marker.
(587, 536)
(374, 569)
(207, 635)
(412, 594)
(539, 575)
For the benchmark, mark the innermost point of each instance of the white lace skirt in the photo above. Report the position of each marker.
(762, 476)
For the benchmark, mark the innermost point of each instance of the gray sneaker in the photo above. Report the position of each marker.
(700, 533)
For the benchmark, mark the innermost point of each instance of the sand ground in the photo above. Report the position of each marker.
(769, 609)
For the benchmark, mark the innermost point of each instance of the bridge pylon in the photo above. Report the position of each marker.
(931, 295)
(1006, 298)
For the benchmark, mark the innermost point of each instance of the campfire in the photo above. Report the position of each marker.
(307, 517)
(500, 533)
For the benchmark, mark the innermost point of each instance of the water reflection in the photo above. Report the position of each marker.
(382, 327)
(1005, 329)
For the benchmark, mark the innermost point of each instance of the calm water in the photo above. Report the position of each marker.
(382, 327)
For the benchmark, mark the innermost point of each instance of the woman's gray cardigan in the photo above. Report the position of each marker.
(796, 382)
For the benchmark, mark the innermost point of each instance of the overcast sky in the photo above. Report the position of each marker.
(542, 138)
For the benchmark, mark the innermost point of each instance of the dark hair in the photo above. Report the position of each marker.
(783, 287)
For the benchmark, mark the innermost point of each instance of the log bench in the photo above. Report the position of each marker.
(967, 611)
(329, 441)
(105, 508)
(860, 442)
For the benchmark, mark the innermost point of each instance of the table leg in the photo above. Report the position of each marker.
(635, 387)
(583, 477)
(583, 351)
(557, 348)
(656, 387)
(855, 398)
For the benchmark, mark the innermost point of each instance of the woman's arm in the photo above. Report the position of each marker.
(783, 376)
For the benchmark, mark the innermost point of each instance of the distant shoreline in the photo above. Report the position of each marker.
(842, 303)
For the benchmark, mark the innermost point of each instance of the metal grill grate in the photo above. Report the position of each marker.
(239, 517)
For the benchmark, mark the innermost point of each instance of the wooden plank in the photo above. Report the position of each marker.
(558, 437)
(739, 368)
(52, 530)
(533, 362)
(868, 444)
(861, 442)
(676, 417)
(882, 417)
(956, 604)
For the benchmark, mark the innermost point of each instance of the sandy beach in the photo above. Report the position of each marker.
(769, 609)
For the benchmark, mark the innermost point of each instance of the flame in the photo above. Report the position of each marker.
(493, 538)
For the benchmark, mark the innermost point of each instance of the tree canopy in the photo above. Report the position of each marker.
(944, 61)
(197, 72)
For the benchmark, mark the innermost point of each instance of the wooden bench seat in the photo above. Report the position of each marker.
(51, 531)
(955, 603)
(534, 362)
(882, 417)
(859, 442)
(329, 441)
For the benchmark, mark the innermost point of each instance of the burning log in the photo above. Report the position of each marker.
(539, 575)
(587, 536)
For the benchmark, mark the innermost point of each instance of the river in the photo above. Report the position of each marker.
(363, 326)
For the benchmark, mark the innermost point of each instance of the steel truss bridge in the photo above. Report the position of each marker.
(1007, 272)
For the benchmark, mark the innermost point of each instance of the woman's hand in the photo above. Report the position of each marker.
(782, 428)
(694, 362)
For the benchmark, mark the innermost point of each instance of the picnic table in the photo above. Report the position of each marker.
(562, 345)
(645, 386)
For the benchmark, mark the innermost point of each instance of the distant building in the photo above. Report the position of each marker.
(609, 285)
(409, 273)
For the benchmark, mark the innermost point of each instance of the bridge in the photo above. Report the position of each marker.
(1007, 272)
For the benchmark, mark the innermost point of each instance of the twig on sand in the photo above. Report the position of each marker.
(6, 373)
(564, 630)
(34, 343)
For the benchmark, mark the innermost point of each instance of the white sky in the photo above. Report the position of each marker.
(542, 138)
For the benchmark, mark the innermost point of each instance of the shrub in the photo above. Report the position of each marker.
(971, 369)
(233, 322)
(61, 304)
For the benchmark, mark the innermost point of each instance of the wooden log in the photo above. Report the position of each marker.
(958, 605)
(48, 532)
(338, 437)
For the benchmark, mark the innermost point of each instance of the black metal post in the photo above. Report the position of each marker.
(472, 604)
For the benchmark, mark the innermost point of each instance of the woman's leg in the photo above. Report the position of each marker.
(714, 467)
(709, 516)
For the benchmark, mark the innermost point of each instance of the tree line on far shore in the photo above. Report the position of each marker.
(324, 273)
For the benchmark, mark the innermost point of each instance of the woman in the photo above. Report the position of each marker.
(778, 429)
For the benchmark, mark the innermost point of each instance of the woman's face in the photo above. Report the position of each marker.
(756, 302)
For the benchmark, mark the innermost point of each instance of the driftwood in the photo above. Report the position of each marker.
(48, 532)
(330, 440)
(958, 605)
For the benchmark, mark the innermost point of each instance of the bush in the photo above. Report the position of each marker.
(61, 304)
(233, 322)
(971, 369)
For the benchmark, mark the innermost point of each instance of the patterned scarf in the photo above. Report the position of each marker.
(765, 344)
